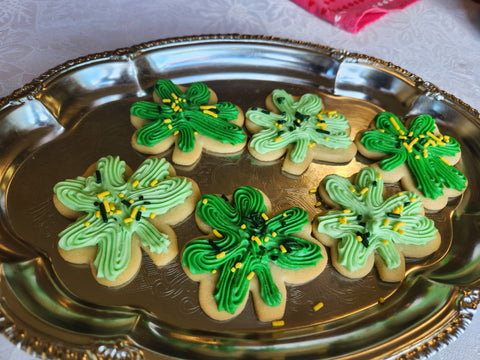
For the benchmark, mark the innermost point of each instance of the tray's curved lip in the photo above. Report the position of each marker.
(35, 86)
(468, 299)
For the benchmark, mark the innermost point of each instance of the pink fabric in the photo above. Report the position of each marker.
(352, 15)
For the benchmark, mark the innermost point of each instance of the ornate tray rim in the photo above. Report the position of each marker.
(467, 302)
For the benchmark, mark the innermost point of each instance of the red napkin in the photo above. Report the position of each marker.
(353, 15)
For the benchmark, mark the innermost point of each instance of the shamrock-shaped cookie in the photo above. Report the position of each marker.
(364, 229)
(250, 250)
(298, 127)
(191, 118)
(117, 212)
(417, 155)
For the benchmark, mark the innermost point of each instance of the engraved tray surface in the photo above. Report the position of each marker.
(56, 126)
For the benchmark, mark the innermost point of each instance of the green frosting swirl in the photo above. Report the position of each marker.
(420, 149)
(246, 242)
(301, 124)
(185, 115)
(369, 223)
(115, 209)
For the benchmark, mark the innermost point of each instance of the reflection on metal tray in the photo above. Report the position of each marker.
(55, 127)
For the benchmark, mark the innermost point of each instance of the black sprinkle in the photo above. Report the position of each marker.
(362, 224)
(140, 197)
(359, 233)
(398, 146)
(407, 203)
(213, 245)
(266, 112)
(281, 132)
(99, 177)
(159, 109)
(103, 212)
(146, 203)
(280, 99)
(96, 203)
(274, 257)
(254, 108)
(281, 121)
(374, 183)
(138, 216)
(365, 242)
(126, 203)
(322, 131)
(397, 216)
(291, 128)
(359, 217)
(301, 116)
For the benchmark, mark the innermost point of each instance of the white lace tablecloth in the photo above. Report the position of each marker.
(438, 40)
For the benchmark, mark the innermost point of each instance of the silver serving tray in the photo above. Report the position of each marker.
(60, 123)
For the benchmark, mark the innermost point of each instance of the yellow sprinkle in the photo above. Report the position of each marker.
(413, 199)
(257, 240)
(278, 139)
(166, 100)
(233, 269)
(214, 271)
(321, 125)
(397, 225)
(274, 234)
(410, 133)
(444, 160)
(238, 265)
(379, 176)
(134, 213)
(430, 134)
(318, 306)
(112, 206)
(167, 121)
(402, 137)
(152, 215)
(398, 210)
(243, 226)
(250, 275)
(425, 153)
(385, 242)
(359, 238)
(135, 183)
(207, 107)
(110, 213)
(417, 156)
(386, 222)
(87, 224)
(312, 144)
(103, 194)
(118, 212)
(413, 142)
(174, 96)
(211, 113)
(318, 204)
(170, 127)
(284, 214)
(394, 123)
(401, 193)
(217, 233)
(401, 232)
(327, 138)
(98, 214)
(421, 136)
(220, 255)
(343, 219)
(154, 182)
(381, 300)
(347, 211)
(131, 201)
(264, 216)
(381, 130)
(195, 133)
(430, 142)
(446, 138)
(176, 132)
(127, 220)
(364, 190)
(279, 126)
(204, 201)
(282, 248)
(277, 323)
(121, 195)
(352, 189)
(266, 239)
(332, 113)
(312, 191)
(106, 205)
(406, 146)
(299, 121)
